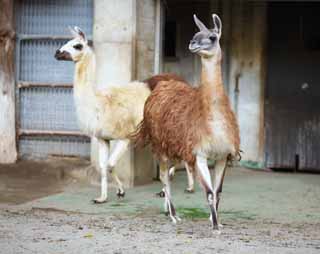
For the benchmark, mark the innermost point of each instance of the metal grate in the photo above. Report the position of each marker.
(37, 63)
(57, 145)
(51, 17)
(44, 86)
(47, 108)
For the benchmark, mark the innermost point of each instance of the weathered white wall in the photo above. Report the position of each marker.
(124, 44)
(243, 45)
(8, 152)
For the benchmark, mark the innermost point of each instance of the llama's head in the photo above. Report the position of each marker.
(74, 49)
(206, 41)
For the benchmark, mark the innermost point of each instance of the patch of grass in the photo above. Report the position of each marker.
(116, 204)
(193, 213)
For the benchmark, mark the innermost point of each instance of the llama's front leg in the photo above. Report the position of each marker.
(205, 180)
(219, 173)
(190, 175)
(165, 179)
(120, 148)
(103, 162)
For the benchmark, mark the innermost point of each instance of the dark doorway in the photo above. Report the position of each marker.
(292, 110)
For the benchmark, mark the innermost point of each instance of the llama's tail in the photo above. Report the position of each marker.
(140, 136)
(154, 80)
(232, 158)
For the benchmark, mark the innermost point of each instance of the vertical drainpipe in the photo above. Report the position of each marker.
(236, 93)
(158, 39)
(158, 60)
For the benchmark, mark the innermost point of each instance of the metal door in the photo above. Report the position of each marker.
(46, 119)
(293, 86)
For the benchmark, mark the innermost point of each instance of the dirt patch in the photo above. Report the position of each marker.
(44, 231)
(29, 180)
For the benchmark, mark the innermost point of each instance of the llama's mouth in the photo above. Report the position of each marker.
(194, 49)
(62, 56)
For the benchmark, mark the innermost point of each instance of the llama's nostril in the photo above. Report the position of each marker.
(57, 52)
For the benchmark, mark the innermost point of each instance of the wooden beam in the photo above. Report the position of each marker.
(23, 132)
(8, 149)
(22, 84)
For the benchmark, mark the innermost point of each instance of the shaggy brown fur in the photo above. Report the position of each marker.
(174, 119)
(154, 80)
(177, 119)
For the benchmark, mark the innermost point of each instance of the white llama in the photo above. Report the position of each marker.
(113, 115)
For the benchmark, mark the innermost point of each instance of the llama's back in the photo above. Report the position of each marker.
(174, 121)
(124, 105)
(153, 81)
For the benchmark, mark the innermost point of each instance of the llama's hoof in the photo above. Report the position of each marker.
(166, 213)
(120, 194)
(100, 200)
(189, 191)
(216, 228)
(175, 219)
(160, 194)
(216, 231)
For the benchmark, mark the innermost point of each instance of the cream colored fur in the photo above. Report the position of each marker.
(113, 114)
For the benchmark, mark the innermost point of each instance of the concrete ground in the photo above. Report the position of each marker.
(43, 210)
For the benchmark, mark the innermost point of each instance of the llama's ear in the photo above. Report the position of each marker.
(73, 32)
(217, 24)
(199, 24)
(80, 33)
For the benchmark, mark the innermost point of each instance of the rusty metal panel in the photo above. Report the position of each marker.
(292, 109)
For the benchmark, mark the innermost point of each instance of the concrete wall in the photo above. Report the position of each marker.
(123, 39)
(185, 63)
(8, 151)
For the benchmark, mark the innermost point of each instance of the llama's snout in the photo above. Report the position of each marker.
(62, 55)
(193, 46)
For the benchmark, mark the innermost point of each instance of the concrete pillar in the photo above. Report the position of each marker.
(8, 151)
(123, 40)
(247, 76)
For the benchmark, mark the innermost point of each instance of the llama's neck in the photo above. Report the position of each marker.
(211, 76)
(84, 77)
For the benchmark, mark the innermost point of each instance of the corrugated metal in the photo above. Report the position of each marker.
(42, 27)
(293, 89)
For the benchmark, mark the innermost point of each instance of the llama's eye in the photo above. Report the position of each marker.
(213, 38)
(78, 46)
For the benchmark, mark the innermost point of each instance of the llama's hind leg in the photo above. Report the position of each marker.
(190, 175)
(205, 180)
(103, 162)
(168, 205)
(120, 148)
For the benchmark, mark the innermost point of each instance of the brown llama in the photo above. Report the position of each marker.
(152, 83)
(193, 124)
